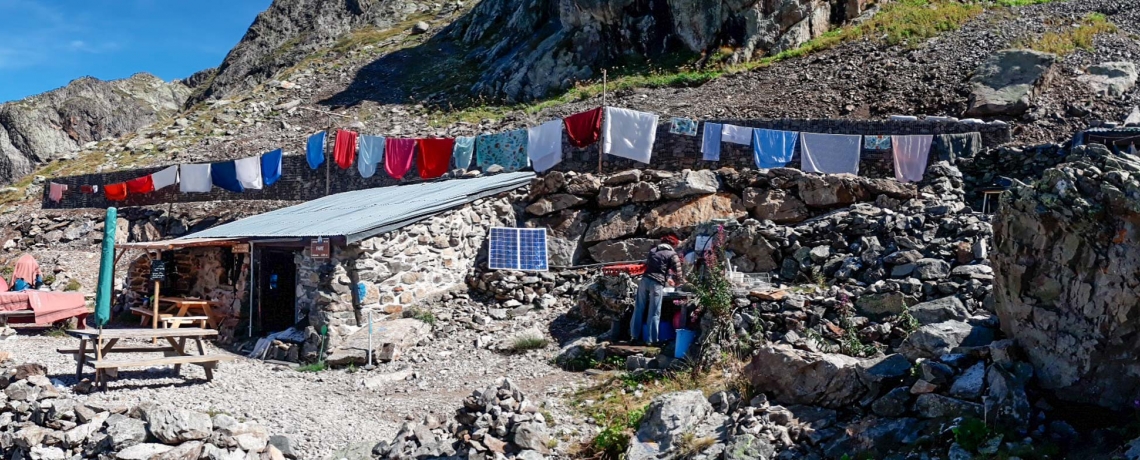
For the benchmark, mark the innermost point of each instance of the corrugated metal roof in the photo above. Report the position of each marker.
(365, 213)
(179, 243)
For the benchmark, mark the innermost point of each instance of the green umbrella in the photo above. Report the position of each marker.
(106, 270)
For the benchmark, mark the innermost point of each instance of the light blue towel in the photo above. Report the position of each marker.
(464, 148)
(773, 149)
(504, 149)
(315, 150)
(710, 143)
(370, 154)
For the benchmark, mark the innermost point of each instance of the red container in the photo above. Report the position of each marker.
(631, 269)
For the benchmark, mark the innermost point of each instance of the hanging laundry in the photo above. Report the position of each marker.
(544, 145)
(116, 192)
(683, 126)
(629, 133)
(398, 156)
(371, 154)
(224, 175)
(504, 149)
(194, 178)
(877, 142)
(164, 178)
(271, 167)
(89, 189)
(434, 157)
(710, 143)
(736, 134)
(584, 129)
(249, 173)
(773, 148)
(55, 191)
(911, 154)
(315, 150)
(830, 153)
(951, 147)
(464, 149)
(140, 185)
(344, 151)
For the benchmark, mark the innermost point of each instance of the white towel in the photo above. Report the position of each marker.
(165, 178)
(911, 154)
(544, 145)
(629, 134)
(249, 172)
(830, 153)
(195, 178)
(736, 134)
(710, 143)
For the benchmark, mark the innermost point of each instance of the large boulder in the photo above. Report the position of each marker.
(1004, 83)
(552, 203)
(633, 249)
(668, 418)
(1111, 78)
(794, 376)
(1067, 259)
(831, 190)
(689, 182)
(775, 205)
(935, 340)
(390, 339)
(939, 310)
(565, 230)
(614, 225)
(680, 216)
(175, 426)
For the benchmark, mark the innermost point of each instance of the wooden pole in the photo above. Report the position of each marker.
(327, 160)
(604, 98)
(154, 319)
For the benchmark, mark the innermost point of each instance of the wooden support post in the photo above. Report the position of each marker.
(604, 81)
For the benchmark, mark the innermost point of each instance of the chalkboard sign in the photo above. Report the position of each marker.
(157, 270)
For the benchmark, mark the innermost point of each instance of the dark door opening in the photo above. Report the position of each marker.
(277, 281)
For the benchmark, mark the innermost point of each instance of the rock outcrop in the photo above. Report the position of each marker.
(1067, 260)
(539, 46)
(1004, 84)
(57, 124)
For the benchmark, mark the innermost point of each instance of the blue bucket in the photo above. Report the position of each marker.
(665, 332)
(685, 338)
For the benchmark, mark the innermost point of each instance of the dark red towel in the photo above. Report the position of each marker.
(344, 152)
(88, 189)
(116, 192)
(584, 128)
(434, 157)
(142, 184)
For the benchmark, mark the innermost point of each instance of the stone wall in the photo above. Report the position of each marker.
(398, 269)
(672, 152)
(208, 273)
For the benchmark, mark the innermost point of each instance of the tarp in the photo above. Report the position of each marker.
(106, 270)
(49, 307)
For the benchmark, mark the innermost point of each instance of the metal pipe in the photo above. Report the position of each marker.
(251, 281)
(369, 366)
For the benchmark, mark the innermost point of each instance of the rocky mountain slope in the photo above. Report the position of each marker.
(60, 123)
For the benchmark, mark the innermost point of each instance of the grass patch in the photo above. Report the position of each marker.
(1014, 3)
(72, 285)
(421, 314)
(529, 342)
(315, 367)
(1069, 40)
(689, 446)
(58, 332)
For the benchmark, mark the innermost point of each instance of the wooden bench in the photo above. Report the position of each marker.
(5, 315)
(175, 321)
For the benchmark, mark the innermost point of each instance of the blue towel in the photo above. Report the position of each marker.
(224, 175)
(464, 148)
(504, 149)
(773, 149)
(315, 152)
(370, 155)
(271, 167)
(710, 144)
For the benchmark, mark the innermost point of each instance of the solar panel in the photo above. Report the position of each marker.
(518, 249)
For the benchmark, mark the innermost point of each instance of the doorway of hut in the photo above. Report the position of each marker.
(277, 281)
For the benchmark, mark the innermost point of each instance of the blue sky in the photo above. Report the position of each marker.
(46, 43)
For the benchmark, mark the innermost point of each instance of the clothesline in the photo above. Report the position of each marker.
(623, 133)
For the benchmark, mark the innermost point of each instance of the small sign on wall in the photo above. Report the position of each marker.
(157, 270)
(319, 249)
(241, 249)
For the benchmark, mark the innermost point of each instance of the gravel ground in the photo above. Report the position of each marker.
(328, 410)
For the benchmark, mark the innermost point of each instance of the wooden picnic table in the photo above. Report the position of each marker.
(181, 308)
(95, 345)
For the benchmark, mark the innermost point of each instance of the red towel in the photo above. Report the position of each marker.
(116, 192)
(398, 156)
(344, 152)
(434, 157)
(584, 128)
(89, 189)
(142, 184)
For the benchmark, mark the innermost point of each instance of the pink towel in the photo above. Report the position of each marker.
(398, 156)
(55, 192)
(911, 154)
